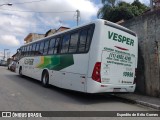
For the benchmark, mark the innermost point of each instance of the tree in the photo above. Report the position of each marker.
(108, 5)
(109, 2)
(122, 10)
(141, 7)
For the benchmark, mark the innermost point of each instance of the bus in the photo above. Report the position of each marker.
(97, 57)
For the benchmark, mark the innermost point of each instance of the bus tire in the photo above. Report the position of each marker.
(45, 79)
(20, 72)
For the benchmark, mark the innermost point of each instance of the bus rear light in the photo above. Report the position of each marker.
(96, 75)
(135, 77)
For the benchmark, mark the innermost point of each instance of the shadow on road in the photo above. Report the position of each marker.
(63, 95)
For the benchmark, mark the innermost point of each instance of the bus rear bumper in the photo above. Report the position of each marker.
(96, 87)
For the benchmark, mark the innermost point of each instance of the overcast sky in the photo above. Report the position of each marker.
(35, 16)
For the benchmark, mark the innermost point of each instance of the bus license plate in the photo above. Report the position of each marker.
(116, 89)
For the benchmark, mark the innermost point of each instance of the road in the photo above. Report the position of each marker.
(26, 94)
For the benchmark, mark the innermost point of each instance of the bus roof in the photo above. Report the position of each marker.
(98, 21)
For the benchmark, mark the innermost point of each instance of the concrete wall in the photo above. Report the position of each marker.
(147, 27)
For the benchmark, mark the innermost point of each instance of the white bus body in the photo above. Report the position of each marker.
(108, 65)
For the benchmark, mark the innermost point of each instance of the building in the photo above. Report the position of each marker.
(33, 37)
(157, 3)
(62, 29)
(9, 60)
(50, 32)
(15, 57)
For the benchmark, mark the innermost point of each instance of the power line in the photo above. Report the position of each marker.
(29, 2)
(36, 11)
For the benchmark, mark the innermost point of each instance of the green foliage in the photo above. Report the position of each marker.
(121, 10)
(109, 2)
(141, 7)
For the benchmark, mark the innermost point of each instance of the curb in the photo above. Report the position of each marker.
(147, 104)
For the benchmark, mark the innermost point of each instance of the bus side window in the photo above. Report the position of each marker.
(41, 48)
(27, 50)
(46, 47)
(30, 49)
(51, 46)
(37, 49)
(82, 40)
(73, 42)
(65, 43)
(33, 49)
(57, 46)
(89, 37)
(22, 52)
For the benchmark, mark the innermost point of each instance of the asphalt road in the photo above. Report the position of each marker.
(26, 94)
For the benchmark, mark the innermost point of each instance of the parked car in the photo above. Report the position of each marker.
(12, 66)
(3, 63)
(9, 66)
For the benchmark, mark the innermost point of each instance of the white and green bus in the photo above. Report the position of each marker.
(97, 57)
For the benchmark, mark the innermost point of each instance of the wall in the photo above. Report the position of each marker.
(147, 28)
(33, 37)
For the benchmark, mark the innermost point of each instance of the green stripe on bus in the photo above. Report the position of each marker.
(57, 62)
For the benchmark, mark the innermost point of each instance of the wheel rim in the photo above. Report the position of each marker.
(20, 71)
(45, 79)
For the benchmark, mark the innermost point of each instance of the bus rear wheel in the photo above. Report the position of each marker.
(20, 72)
(45, 79)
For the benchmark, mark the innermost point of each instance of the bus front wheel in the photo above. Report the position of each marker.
(45, 79)
(20, 72)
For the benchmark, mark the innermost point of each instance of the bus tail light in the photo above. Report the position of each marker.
(135, 77)
(96, 75)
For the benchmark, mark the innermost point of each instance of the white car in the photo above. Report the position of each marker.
(11, 64)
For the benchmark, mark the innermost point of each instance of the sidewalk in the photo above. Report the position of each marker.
(148, 101)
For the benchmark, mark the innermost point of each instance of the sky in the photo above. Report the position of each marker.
(38, 16)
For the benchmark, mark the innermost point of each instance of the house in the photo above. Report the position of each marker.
(15, 56)
(9, 60)
(33, 37)
(50, 32)
(62, 29)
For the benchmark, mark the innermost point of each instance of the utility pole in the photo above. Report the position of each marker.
(8, 55)
(151, 5)
(4, 53)
(78, 16)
